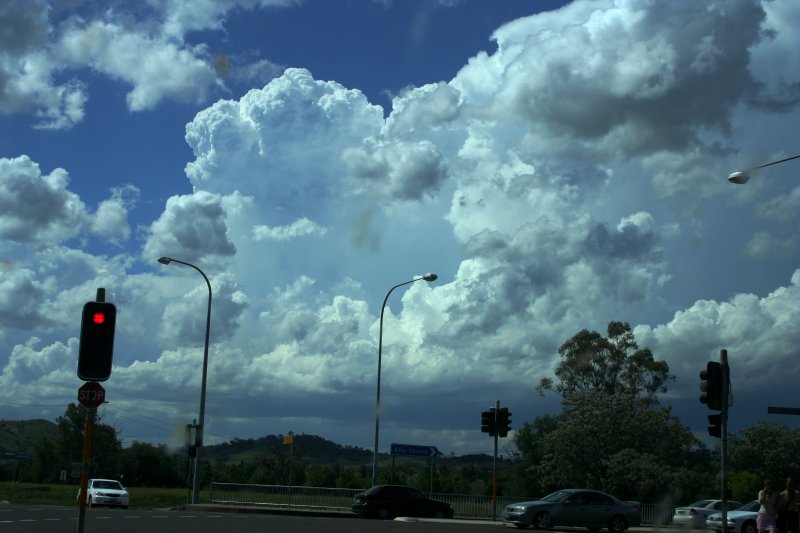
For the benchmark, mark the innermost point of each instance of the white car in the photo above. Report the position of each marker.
(106, 492)
(742, 520)
(695, 514)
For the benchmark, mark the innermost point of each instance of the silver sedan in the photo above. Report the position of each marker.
(591, 509)
(741, 520)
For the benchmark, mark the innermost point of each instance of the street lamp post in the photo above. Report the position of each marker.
(741, 177)
(201, 426)
(426, 277)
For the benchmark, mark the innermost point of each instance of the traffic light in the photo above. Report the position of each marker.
(715, 429)
(503, 422)
(711, 386)
(97, 341)
(488, 422)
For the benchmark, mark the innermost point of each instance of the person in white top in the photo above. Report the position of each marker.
(768, 499)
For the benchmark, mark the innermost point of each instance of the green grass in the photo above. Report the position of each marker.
(66, 494)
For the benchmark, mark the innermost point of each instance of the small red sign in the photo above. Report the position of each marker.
(91, 394)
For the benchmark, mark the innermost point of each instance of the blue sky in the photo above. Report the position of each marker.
(559, 165)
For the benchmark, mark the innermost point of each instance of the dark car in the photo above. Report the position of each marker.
(390, 501)
(591, 509)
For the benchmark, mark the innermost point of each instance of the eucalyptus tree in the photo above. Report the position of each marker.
(611, 434)
(613, 364)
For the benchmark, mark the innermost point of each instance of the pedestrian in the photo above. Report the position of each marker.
(787, 508)
(769, 504)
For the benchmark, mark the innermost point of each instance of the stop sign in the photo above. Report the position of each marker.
(91, 394)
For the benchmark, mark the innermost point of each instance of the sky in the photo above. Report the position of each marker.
(558, 165)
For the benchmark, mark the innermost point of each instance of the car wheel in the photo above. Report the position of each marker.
(543, 520)
(438, 514)
(383, 513)
(749, 527)
(617, 524)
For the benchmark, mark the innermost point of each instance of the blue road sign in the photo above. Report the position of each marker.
(414, 450)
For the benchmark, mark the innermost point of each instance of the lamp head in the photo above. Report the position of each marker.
(430, 277)
(164, 260)
(739, 177)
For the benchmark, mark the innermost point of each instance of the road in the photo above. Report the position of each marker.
(16, 518)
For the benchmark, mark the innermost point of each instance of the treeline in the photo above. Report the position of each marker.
(601, 443)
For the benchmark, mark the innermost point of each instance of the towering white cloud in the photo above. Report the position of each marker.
(572, 177)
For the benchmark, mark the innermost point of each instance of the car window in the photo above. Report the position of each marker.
(753, 506)
(556, 496)
(579, 498)
(107, 485)
(701, 503)
(595, 498)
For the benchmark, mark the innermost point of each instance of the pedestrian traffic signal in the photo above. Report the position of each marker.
(715, 428)
(488, 422)
(503, 422)
(712, 387)
(97, 341)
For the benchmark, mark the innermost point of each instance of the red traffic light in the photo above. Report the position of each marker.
(96, 345)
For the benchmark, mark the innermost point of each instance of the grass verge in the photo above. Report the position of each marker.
(66, 494)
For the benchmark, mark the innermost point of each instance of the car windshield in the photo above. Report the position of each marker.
(556, 496)
(753, 506)
(107, 485)
(701, 503)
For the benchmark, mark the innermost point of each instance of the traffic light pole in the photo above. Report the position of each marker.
(494, 463)
(723, 447)
(85, 467)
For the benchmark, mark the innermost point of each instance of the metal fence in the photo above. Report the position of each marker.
(323, 498)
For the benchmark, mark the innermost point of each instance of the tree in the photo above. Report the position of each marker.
(49, 458)
(610, 434)
(608, 442)
(529, 440)
(613, 364)
(142, 463)
(767, 450)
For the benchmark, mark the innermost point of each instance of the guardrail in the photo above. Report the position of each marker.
(325, 498)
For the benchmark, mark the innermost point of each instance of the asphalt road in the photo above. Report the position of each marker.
(44, 519)
(15, 518)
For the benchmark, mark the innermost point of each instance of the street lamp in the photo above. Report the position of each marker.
(426, 277)
(741, 177)
(201, 427)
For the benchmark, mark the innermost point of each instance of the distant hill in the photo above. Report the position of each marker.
(309, 449)
(18, 436)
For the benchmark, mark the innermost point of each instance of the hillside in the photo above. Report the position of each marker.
(309, 449)
(18, 436)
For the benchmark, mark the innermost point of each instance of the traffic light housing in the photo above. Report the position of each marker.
(488, 422)
(715, 426)
(711, 386)
(97, 341)
(503, 422)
